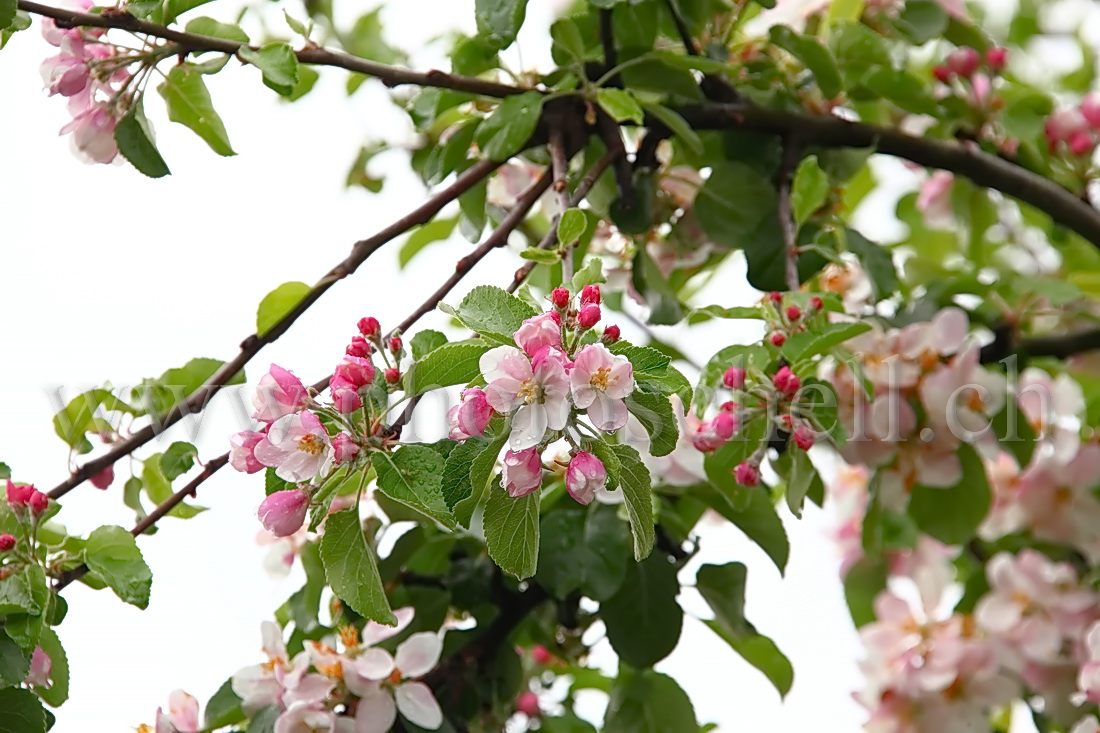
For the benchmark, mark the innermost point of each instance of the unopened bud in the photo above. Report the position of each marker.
(393, 375)
(589, 316)
(996, 58)
(7, 542)
(804, 437)
(816, 304)
(590, 294)
(611, 334)
(39, 502)
(775, 296)
(734, 378)
(104, 478)
(395, 345)
(358, 347)
(747, 473)
(943, 74)
(787, 381)
(369, 327)
(964, 61)
(560, 298)
(778, 338)
(793, 312)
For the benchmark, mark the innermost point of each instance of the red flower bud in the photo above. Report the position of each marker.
(747, 473)
(358, 347)
(787, 381)
(395, 344)
(816, 303)
(611, 334)
(393, 376)
(528, 704)
(590, 294)
(943, 74)
(1081, 144)
(7, 542)
(369, 327)
(104, 478)
(793, 312)
(964, 61)
(775, 296)
(19, 496)
(560, 298)
(804, 437)
(734, 378)
(39, 502)
(778, 338)
(996, 57)
(589, 316)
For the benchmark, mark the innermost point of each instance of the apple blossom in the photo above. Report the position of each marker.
(278, 394)
(585, 476)
(560, 298)
(684, 465)
(522, 472)
(589, 316)
(182, 715)
(747, 473)
(786, 381)
(355, 370)
(536, 391)
(803, 437)
(39, 502)
(528, 704)
(344, 448)
(395, 687)
(257, 685)
(600, 382)
(393, 375)
(539, 331)
(590, 294)
(19, 495)
(369, 327)
(345, 395)
(358, 347)
(283, 512)
(712, 434)
(470, 416)
(296, 446)
(242, 454)
(40, 669)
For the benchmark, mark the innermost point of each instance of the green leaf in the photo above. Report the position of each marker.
(637, 491)
(14, 663)
(512, 531)
(456, 485)
(621, 105)
(507, 130)
(711, 375)
(819, 339)
(645, 701)
(654, 412)
(189, 103)
(808, 190)
(816, 58)
(134, 136)
(876, 260)
(493, 313)
(223, 708)
(113, 556)
(583, 549)
(647, 362)
(857, 50)
(922, 21)
(723, 588)
(677, 125)
(278, 64)
(754, 514)
(425, 342)
(21, 712)
(434, 231)
(643, 619)
(610, 459)
(446, 366)
(481, 475)
(546, 257)
(498, 21)
(158, 488)
(58, 692)
(952, 515)
(351, 568)
(567, 44)
(590, 274)
(178, 460)
(571, 226)
(664, 302)
(733, 202)
(263, 720)
(413, 476)
(78, 417)
(863, 582)
(5, 471)
(800, 478)
(7, 12)
(204, 26)
(21, 21)
(278, 303)
(298, 26)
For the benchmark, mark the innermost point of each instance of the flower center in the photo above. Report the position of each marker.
(531, 391)
(395, 676)
(600, 378)
(311, 444)
(349, 636)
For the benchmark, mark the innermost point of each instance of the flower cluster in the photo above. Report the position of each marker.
(968, 72)
(1075, 129)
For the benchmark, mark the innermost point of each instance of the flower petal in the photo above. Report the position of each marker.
(416, 702)
(376, 711)
(418, 654)
(375, 664)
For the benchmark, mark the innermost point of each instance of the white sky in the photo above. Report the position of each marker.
(107, 275)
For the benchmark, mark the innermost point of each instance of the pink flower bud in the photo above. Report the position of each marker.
(395, 345)
(471, 416)
(804, 437)
(528, 704)
(747, 473)
(19, 496)
(242, 454)
(1081, 144)
(590, 294)
(585, 475)
(40, 670)
(343, 448)
(734, 378)
(358, 347)
(393, 375)
(541, 655)
(284, 512)
(589, 316)
(539, 331)
(7, 542)
(104, 478)
(712, 434)
(522, 472)
(39, 502)
(964, 61)
(345, 395)
(778, 338)
(793, 312)
(355, 370)
(1063, 124)
(728, 406)
(611, 334)
(278, 394)
(787, 381)
(996, 58)
(369, 327)
(816, 304)
(943, 74)
(775, 297)
(560, 298)
(1090, 109)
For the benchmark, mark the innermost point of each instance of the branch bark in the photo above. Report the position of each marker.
(786, 215)
(1005, 344)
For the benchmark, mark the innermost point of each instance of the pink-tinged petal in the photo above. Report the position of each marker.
(273, 645)
(539, 331)
(419, 654)
(620, 382)
(998, 614)
(583, 393)
(184, 710)
(503, 394)
(505, 361)
(417, 703)
(940, 471)
(312, 690)
(305, 720)
(528, 427)
(374, 664)
(375, 632)
(950, 327)
(256, 687)
(41, 667)
(376, 711)
(557, 412)
(607, 414)
(522, 472)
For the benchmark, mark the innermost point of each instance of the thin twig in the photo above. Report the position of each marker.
(390, 75)
(791, 153)
(360, 251)
(682, 28)
(607, 39)
(561, 175)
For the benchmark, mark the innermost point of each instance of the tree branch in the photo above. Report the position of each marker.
(682, 28)
(1006, 344)
(561, 175)
(391, 76)
(360, 251)
(983, 169)
(607, 40)
(791, 152)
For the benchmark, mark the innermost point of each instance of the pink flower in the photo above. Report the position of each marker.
(1063, 124)
(712, 434)
(355, 370)
(600, 382)
(611, 334)
(278, 394)
(67, 73)
(284, 512)
(803, 437)
(257, 685)
(964, 61)
(369, 327)
(589, 316)
(786, 381)
(104, 478)
(19, 495)
(934, 200)
(343, 448)
(182, 715)
(522, 472)
(296, 446)
(1052, 406)
(538, 331)
(40, 669)
(396, 687)
(560, 298)
(536, 390)
(39, 502)
(7, 542)
(358, 347)
(242, 454)
(471, 416)
(734, 378)
(590, 294)
(528, 704)
(345, 395)
(93, 128)
(1088, 678)
(585, 476)
(962, 394)
(1057, 501)
(747, 473)
(305, 719)
(684, 465)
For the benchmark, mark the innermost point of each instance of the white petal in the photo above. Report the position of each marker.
(375, 664)
(376, 712)
(417, 703)
(528, 427)
(375, 632)
(419, 654)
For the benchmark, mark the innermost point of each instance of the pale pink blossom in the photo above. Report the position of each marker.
(961, 396)
(355, 370)
(278, 394)
(296, 446)
(934, 200)
(1057, 500)
(381, 700)
(712, 434)
(305, 720)
(601, 381)
(182, 715)
(283, 512)
(847, 498)
(280, 557)
(1053, 408)
(93, 129)
(344, 448)
(537, 391)
(242, 453)
(257, 685)
(471, 416)
(585, 476)
(539, 331)
(522, 472)
(684, 465)
(1088, 724)
(1088, 678)
(41, 668)
(345, 395)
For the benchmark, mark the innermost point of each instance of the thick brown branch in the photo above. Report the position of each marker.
(360, 251)
(390, 75)
(1006, 344)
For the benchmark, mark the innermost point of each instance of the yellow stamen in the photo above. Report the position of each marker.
(531, 391)
(349, 636)
(310, 444)
(395, 676)
(600, 378)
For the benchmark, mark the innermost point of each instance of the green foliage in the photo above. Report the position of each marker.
(493, 313)
(189, 103)
(21, 712)
(278, 303)
(512, 531)
(643, 618)
(351, 569)
(644, 701)
(952, 515)
(135, 141)
(585, 549)
(621, 105)
(654, 412)
(113, 557)
(498, 21)
(58, 690)
(506, 131)
(571, 226)
(808, 189)
(278, 64)
(635, 484)
(413, 476)
(447, 365)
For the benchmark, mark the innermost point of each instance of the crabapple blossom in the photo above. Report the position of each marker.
(242, 454)
(560, 298)
(369, 327)
(283, 512)
(39, 502)
(278, 394)
(345, 396)
(522, 472)
(296, 446)
(470, 416)
(537, 390)
(1052, 406)
(712, 434)
(182, 715)
(747, 473)
(600, 382)
(344, 449)
(539, 331)
(590, 294)
(589, 316)
(611, 334)
(358, 347)
(41, 668)
(585, 476)
(396, 687)
(19, 495)
(257, 685)
(355, 370)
